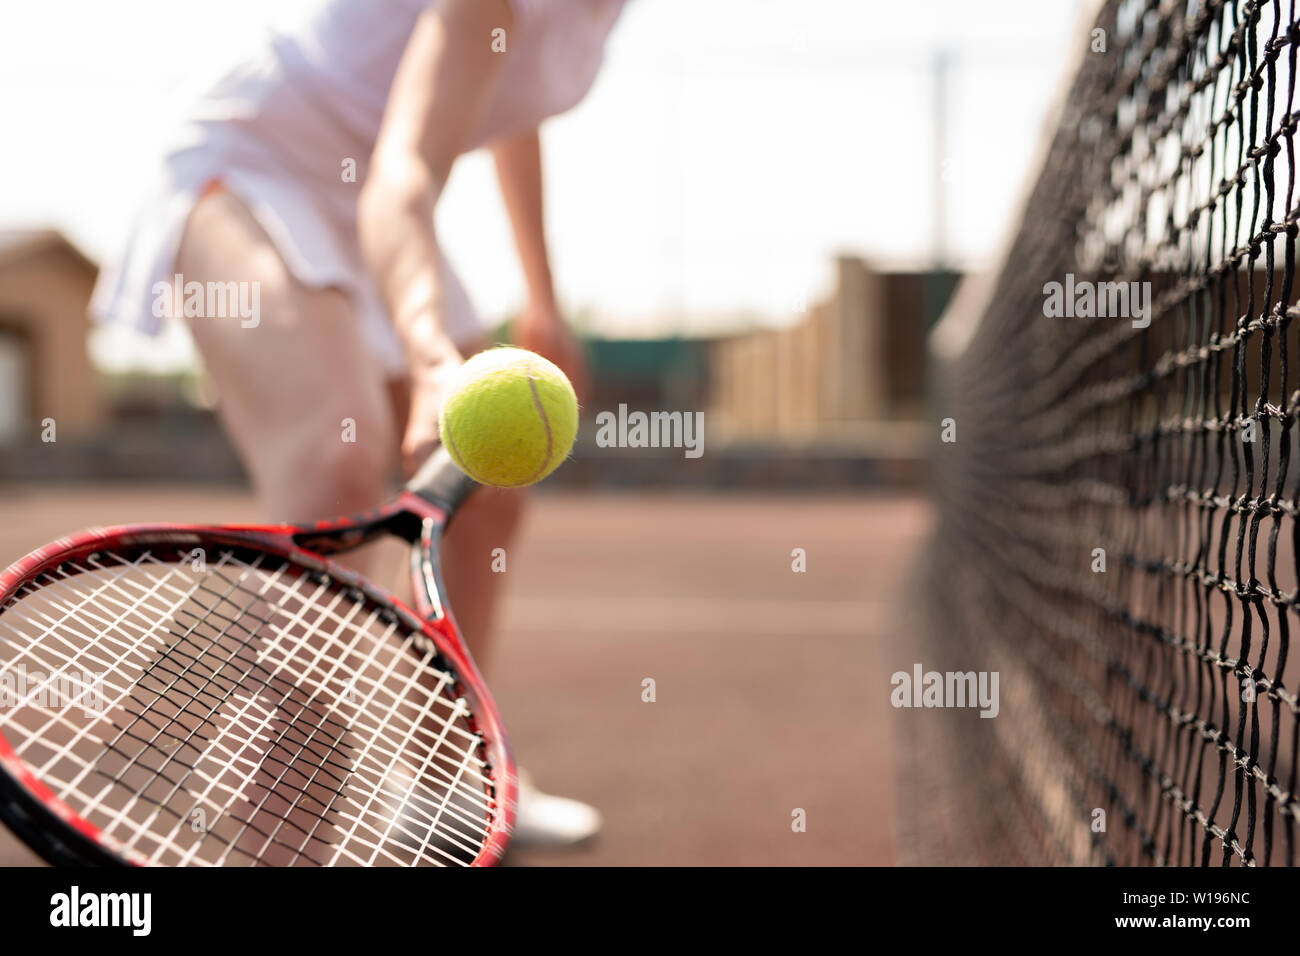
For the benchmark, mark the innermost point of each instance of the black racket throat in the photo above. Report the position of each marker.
(439, 483)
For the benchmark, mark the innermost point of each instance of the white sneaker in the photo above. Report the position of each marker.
(543, 820)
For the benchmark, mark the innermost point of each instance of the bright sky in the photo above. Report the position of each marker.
(727, 151)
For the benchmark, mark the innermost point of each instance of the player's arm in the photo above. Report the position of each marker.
(539, 326)
(439, 93)
(519, 171)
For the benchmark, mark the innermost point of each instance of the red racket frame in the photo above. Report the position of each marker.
(410, 516)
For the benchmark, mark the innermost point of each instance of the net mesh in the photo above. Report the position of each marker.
(213, 706)
(1118, 511)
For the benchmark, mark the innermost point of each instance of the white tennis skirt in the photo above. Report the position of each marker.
(312, 224)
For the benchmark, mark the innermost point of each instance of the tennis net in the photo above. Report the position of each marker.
(1118, 512)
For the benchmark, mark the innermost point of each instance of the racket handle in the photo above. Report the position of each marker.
(441, 482)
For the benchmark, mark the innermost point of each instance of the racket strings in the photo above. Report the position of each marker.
(249, 710)
(146, 742)
(187, 689)
(187, 712)
(441, 748)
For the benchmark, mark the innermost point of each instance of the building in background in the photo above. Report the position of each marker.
(648, 374)
(107, 426)
(853, 367)
(45, 372)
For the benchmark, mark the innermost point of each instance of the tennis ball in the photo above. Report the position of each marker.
(510, 418)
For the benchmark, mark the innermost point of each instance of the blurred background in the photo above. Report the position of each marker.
(758, 213)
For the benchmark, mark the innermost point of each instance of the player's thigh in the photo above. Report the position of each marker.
(303, 399)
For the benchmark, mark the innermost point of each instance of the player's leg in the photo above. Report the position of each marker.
(473, 566)
(301, 398)
(472, 571)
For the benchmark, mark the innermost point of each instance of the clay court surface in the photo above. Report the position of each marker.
(772, 687)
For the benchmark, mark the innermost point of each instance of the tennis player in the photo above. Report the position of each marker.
(309, 176)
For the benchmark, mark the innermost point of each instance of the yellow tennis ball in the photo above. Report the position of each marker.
(510, 417)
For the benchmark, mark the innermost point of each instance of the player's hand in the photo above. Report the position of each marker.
(540, 329)
(429, 384)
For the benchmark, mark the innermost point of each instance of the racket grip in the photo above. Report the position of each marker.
(441, 482)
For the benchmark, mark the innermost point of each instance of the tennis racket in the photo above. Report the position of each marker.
(220, 696)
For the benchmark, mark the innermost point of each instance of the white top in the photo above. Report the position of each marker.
(318, 95)
(277, 129)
